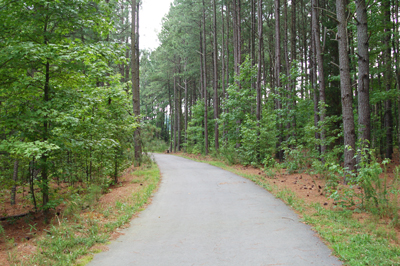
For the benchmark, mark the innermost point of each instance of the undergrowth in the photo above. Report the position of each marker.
(85, 224)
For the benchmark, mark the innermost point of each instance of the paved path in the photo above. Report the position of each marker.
(203, 215)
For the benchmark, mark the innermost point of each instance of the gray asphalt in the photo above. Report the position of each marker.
(203, 215)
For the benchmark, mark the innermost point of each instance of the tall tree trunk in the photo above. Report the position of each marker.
(186, 110)
(179, 114)
(388, 80)
(345, 87)
(135, 81)
(286, 41)
(363, 73)
(294, 58)
(227, 46)
(260, 47)
(320, 64)
(253, 39)
(205, 82)
(216, 98)
(397, 63)
(45, 173)
(170, 118)
(287, 63)
(313, 80)
(235, 42)
(223, 56)
(175, 114)
(278, 70)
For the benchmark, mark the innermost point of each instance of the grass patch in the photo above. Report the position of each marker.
(353, 242)
(75, 234)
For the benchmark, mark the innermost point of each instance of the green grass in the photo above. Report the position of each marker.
(353, 242)
(75, 235)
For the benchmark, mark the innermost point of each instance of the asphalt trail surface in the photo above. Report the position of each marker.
(203, 215)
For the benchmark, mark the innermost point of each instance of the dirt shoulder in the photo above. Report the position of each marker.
(22, 235)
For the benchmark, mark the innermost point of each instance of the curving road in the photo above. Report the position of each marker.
(203, 215)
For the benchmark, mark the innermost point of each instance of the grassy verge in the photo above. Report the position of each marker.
(352, 241)
(74, 235)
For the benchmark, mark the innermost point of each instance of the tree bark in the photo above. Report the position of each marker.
(363, 73)
(278, 70)
(293, 52)
(320, 64)
(15, 179)
(205, 82)
(135, 81)
(345, 88)
(216, 98)
(175, 115)
(388, 80)
(313, 80)
(259, 63)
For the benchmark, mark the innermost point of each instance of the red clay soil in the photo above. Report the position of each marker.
(20, 232)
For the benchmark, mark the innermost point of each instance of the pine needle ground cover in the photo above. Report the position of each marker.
(85, 224)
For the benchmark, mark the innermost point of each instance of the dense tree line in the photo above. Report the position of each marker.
(260, 80)
(67, 113)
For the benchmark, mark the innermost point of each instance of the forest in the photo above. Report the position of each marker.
(300, 83)
(304, 86)
(66, 106)
(297, 85)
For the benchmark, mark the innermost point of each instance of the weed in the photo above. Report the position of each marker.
(32, 227)
(2, 232)
(269, 172)
(286, 195)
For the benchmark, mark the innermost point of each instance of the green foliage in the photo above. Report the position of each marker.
(64, 110)
(374, 194)
(245, 139)
(2, 231)
(196, 128)
(150, 135)
(65, 243)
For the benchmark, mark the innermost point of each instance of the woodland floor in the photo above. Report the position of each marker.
(20, 232)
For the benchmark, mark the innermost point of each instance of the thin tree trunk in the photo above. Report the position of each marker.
(186, 105)
(170, 118)
(345, 87)
(363, 73)
(278, 70)
(216, 98)
(15, 179)
(175, 114)
(313, 80)
(179, 114)
(293, 53)
(260, 47)
(253, 40)
(227, 46)
(397, 63)
(388, 80)
(205, 82)
(320, 64)
(223, 57)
